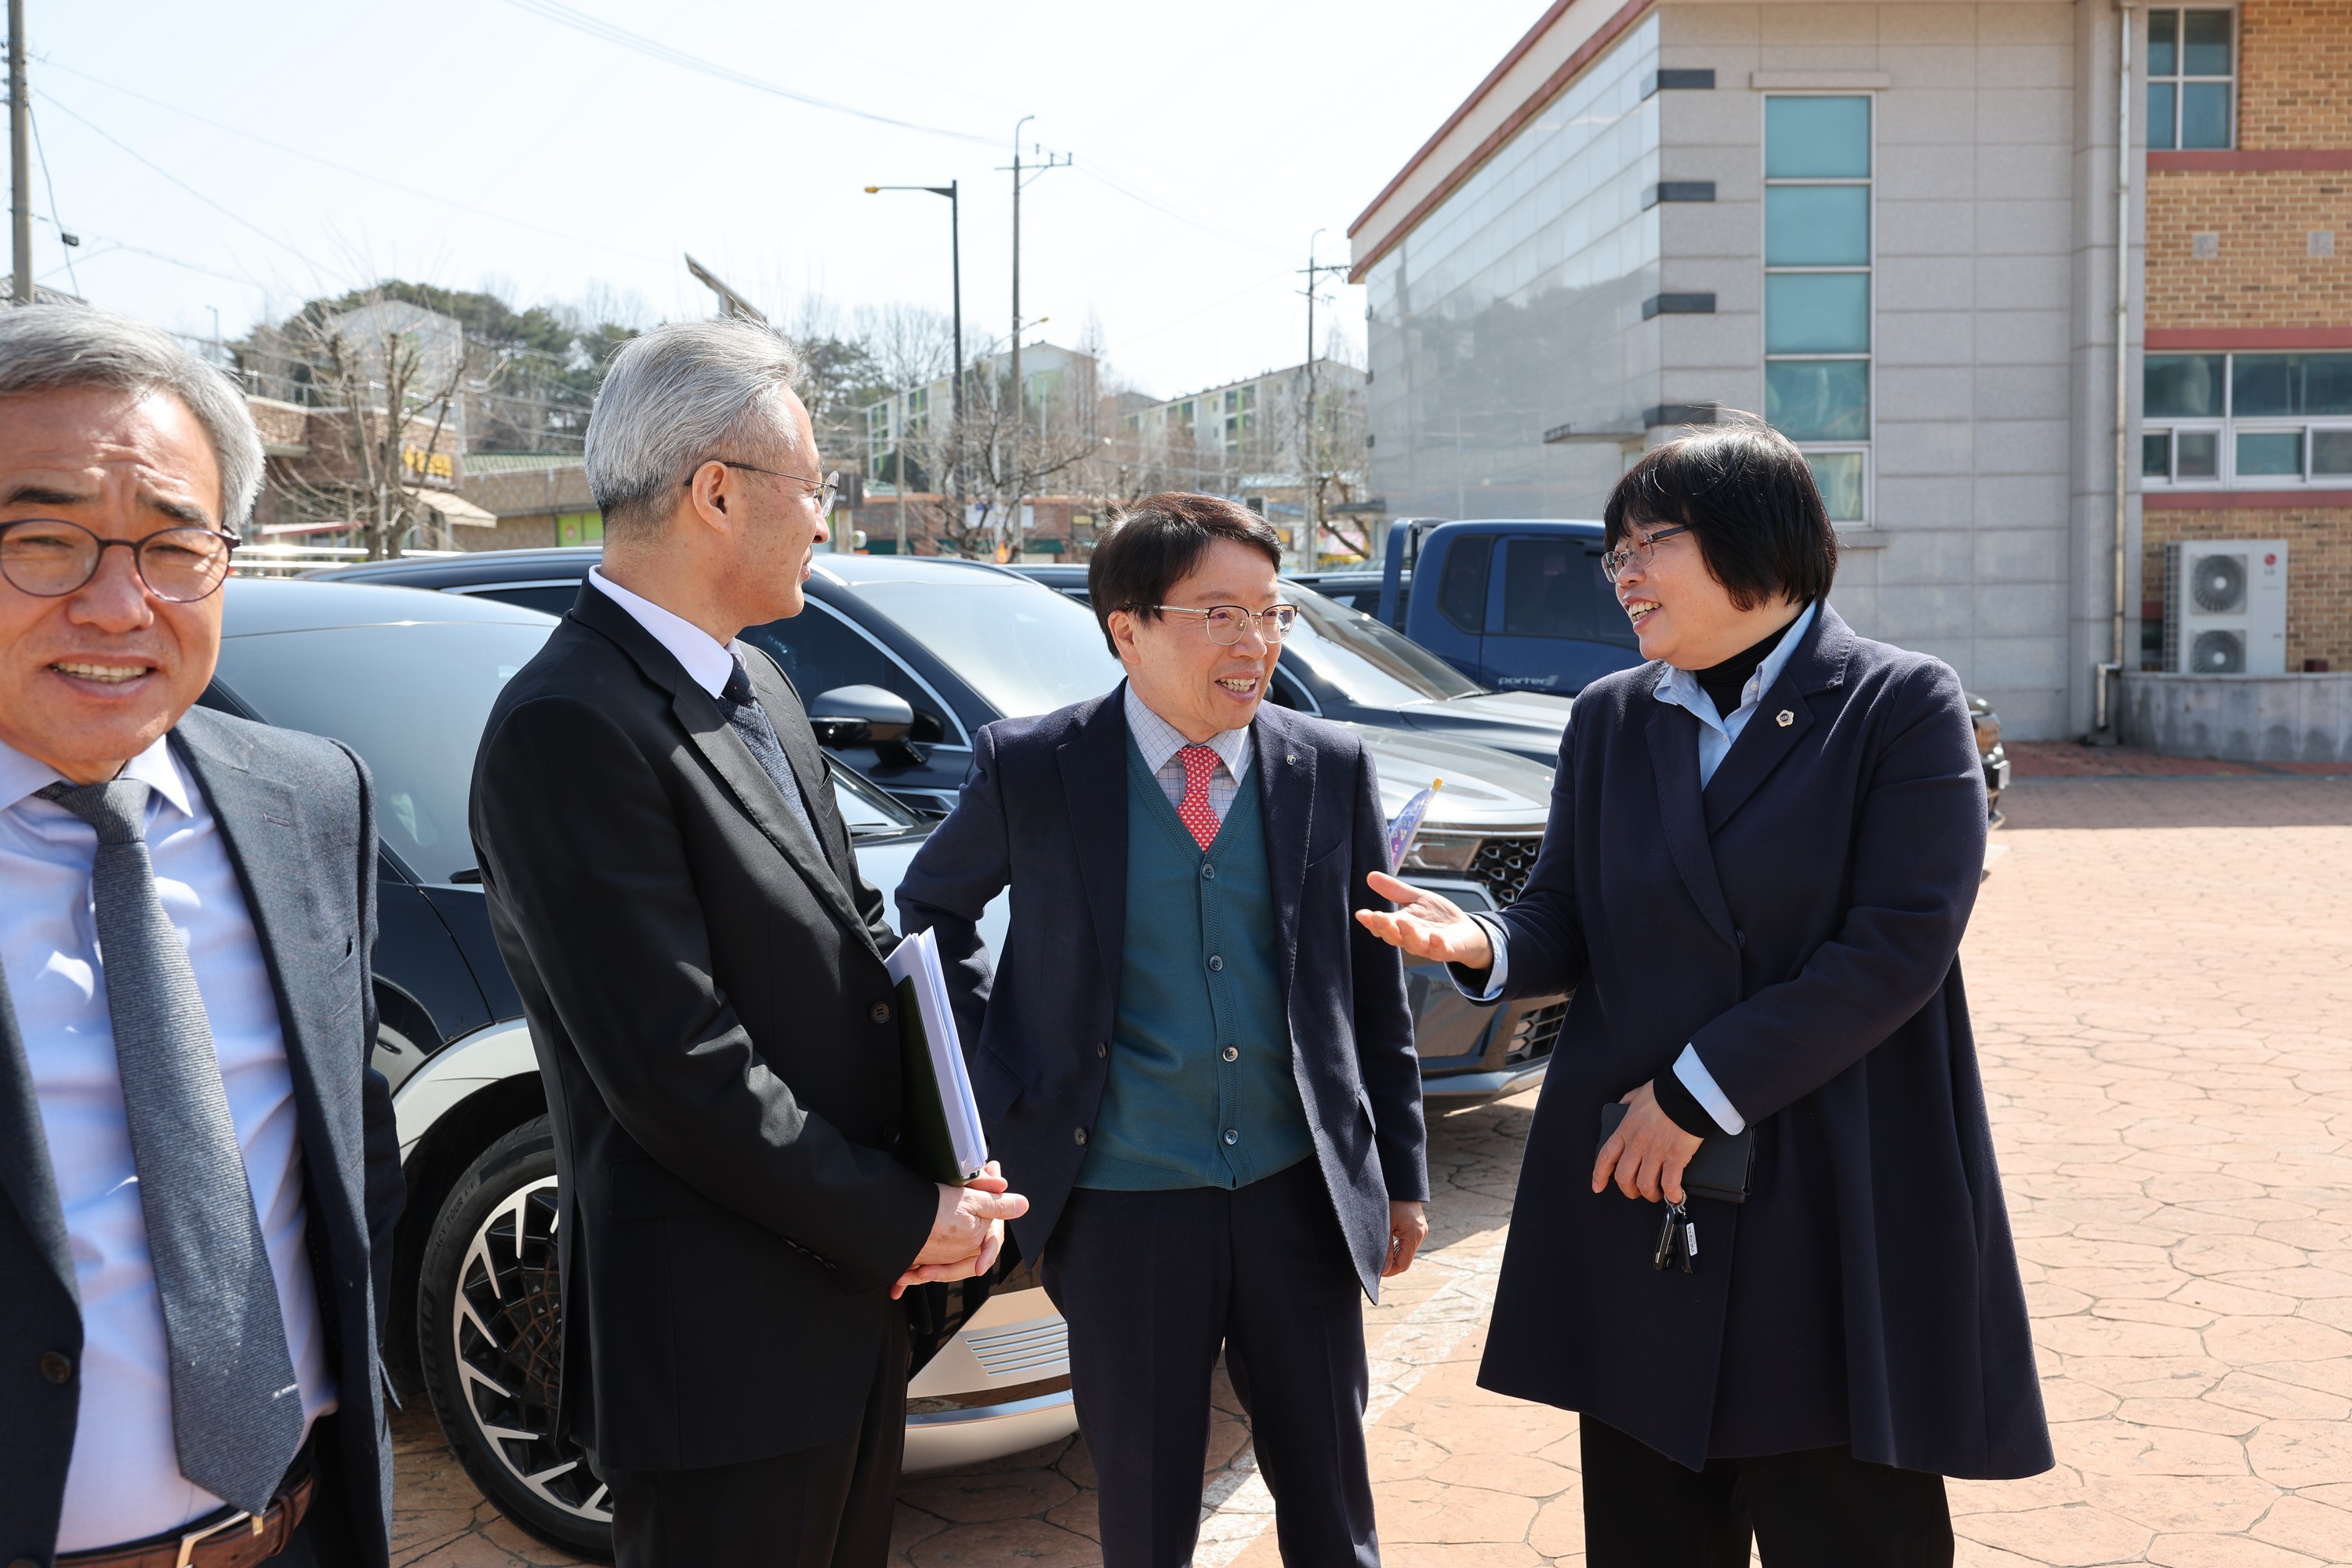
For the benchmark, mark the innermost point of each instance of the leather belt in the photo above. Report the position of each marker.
(238, 1539)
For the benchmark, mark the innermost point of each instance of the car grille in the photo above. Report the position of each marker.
(1536, 1032)
(1023, 1348)
(1503, 864)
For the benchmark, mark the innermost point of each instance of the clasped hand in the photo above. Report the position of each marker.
(969, 1232)
(1646, 1154)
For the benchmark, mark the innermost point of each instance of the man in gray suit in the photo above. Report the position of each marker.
(198, 1172)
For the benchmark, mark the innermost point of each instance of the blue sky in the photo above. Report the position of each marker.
(242, 155)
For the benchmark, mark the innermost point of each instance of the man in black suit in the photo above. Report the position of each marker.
(198, 1171)
(1199, 1065)
(703, 971)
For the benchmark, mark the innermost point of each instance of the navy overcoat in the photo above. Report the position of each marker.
(1799, 921)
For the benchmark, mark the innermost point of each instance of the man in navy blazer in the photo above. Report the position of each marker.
(1189, 1057)
(198, 1170)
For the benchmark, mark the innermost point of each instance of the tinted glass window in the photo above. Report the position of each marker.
(1462, 585)
(1024, 647)
(1817, 312)
(411, 700)
(820, 651)
(1817, 138)
(1816, 225)
(1553, 588)
(1818, 400)
(1366, 660)
(867, 810)
(2183, 386)
(546, 601)
(2264, 386)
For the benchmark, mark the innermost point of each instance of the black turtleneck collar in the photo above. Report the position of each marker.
(1724, 681)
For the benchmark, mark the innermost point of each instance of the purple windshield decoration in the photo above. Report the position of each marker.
(1407, 822)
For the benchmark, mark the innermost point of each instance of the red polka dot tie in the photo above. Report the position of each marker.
(1199, 764)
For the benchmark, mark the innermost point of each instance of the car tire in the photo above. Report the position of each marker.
(489, 1327)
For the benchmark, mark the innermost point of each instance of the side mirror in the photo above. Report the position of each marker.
(860, 716)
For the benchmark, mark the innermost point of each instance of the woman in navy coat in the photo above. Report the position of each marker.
(1760, 917)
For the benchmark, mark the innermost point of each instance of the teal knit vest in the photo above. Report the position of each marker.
(1200, 1092)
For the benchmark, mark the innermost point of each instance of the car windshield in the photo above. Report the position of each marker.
(1024, 647)
(1367, 661)
(410, 700)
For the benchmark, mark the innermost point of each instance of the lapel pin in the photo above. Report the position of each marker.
(1784, 718)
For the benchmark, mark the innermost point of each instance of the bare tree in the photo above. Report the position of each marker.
(385, 379)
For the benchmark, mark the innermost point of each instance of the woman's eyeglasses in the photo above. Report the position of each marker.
(1225, 624)
(48, 558)
(1636, 550)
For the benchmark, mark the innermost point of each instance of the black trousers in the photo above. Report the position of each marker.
(826, 1505)
(1152, 1284)
(1819, 1507)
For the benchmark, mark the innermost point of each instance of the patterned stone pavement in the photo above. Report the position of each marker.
(2162, 975)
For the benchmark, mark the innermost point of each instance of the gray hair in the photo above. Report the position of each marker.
(673, 398)
(49, 348)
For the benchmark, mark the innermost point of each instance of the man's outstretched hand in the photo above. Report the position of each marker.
(1426, 925)
(969, 1232)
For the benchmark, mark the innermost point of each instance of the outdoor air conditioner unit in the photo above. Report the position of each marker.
(2225, 606)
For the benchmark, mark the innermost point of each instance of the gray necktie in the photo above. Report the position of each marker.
(741, 704)
(237, 1412)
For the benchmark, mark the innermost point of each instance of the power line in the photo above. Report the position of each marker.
(64, 244)
(175, 179)
(407, 190)
(563, 14)
(1131, 194)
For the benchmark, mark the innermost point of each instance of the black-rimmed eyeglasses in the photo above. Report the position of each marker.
(822, 490)
(48, 558)
(1225, 624)
(1636, 549)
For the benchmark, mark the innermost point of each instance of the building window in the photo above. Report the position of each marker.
(1817, 317)
(2192, 86)
(2254, 421)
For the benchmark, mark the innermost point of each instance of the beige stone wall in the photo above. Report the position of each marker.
(2319, 567)
(2294, 74)
(2264, 275)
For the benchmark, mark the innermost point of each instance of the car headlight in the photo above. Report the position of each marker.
(1452, 852)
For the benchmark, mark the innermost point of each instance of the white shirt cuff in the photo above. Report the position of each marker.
(1703, 1089)
(1501, 970)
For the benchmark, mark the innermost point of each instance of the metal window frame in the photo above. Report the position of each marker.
(2179, 78)
(1868, 445)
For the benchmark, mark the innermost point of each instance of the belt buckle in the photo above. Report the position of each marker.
(189, 1542)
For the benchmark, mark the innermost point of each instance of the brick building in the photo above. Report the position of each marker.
(2247, 379)
(1891, 228)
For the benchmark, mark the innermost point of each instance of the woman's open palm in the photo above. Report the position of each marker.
(1426, 925)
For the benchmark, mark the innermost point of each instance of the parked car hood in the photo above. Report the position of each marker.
(1484, 789)
(1524, 723)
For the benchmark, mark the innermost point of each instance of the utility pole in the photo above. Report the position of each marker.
(20, 174)
(1309, 470)
(1020, 389)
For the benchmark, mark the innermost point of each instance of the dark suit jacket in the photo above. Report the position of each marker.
(1045, 812)
(1799, 923)
(705, 986)
(296, 815)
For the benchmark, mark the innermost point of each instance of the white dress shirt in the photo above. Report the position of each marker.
(1681, 688)
(1160, 741)
(705, 659)
(124, 1482)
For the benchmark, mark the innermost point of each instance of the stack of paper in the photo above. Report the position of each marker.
(941, 1125)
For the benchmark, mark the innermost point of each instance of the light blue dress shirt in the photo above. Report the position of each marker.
(123, 1481)
(1715, 734)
